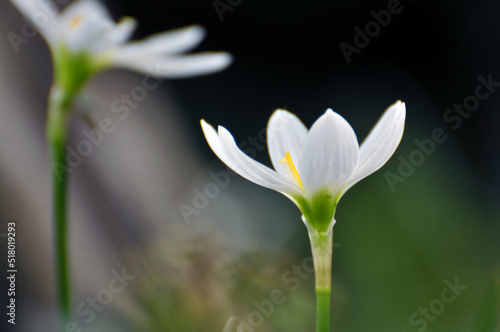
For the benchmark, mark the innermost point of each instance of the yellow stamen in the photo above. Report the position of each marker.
(293, 171)
(75, 21)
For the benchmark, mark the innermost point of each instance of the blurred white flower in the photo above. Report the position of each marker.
(313, 168)
(84, 39)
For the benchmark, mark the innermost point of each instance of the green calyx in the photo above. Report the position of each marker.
(318, 210)
(72, 70)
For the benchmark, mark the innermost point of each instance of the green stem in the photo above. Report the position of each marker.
(56, 138)
(321, 245)
(322, 310)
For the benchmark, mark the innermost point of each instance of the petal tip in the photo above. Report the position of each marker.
(280, 112)
(331, 114)
(400, 108)
(205, 126)
(220, 60)
(397, 110)
(196, 28)
(225, 56)
(399, 104)
(196, 33)
(128, 20)
(221, 129)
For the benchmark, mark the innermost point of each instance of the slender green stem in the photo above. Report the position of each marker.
(321, 245)
(56, 137)
(322, 310)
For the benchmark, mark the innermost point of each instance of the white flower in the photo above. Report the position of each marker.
(313, 168)
(84, 40)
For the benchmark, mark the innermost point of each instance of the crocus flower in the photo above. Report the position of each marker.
(84, 40)
(314, 168)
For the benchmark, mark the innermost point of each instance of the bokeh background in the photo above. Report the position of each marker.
(395, 245)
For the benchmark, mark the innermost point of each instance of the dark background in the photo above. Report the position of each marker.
(287, 54)
(394, 246)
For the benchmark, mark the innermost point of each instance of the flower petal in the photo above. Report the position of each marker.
(330, 154)
(84, 8)
(381, 142)
(111, 37)
(42, 14)
(285, 133)
(122, 31)
(174, 66)
(213, 140)
(226, 149)
(86, 24)
(89, 35)
(171, 42)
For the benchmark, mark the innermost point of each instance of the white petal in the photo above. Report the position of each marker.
(171, 42)
(112, 37)
(83, 8)
(226, 149)
(42, 14)
(89, 35)
(213, 140)
(174, 66)
(86, 24)
(330, 154)
(122, 31)
(285, 133)
(381, 143)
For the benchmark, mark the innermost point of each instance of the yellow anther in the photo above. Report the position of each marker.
(291, 168)
(74, 22)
